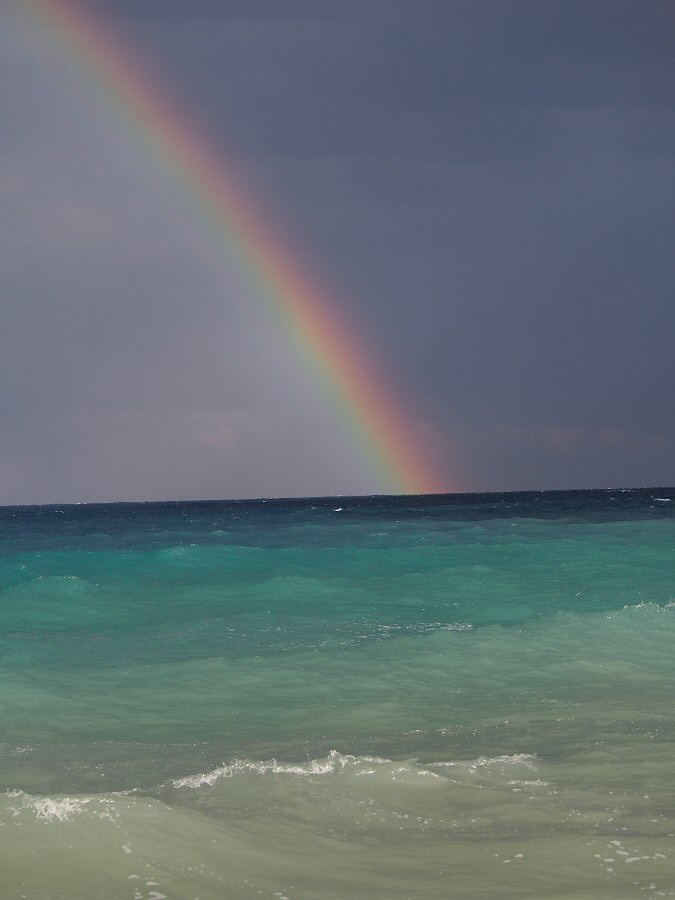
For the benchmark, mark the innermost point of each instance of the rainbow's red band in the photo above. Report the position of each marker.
(332, 349)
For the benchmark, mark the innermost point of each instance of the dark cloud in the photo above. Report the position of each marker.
(485, 185)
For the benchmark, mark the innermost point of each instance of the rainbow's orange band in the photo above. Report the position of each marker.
(330, 348)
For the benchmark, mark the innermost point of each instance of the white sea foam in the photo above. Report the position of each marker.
(397, 629)
(48, 809)
(56, 809)
(334, 762)
(496, 770)
(528, 760)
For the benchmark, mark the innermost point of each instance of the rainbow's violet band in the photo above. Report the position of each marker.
(331, 349)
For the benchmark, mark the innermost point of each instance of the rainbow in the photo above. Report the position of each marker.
(331, 349)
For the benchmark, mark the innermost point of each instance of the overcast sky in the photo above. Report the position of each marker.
(487, 187)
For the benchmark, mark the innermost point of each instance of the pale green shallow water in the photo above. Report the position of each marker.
(462, 697)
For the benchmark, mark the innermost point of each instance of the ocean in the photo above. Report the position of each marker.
(457, 696)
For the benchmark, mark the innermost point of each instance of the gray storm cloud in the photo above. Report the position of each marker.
(485, 185)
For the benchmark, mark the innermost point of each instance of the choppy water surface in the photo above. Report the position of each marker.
(467, 696)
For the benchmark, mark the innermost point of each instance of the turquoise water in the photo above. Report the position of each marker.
(461, 696)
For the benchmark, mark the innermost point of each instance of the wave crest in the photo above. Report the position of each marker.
(500, 767)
